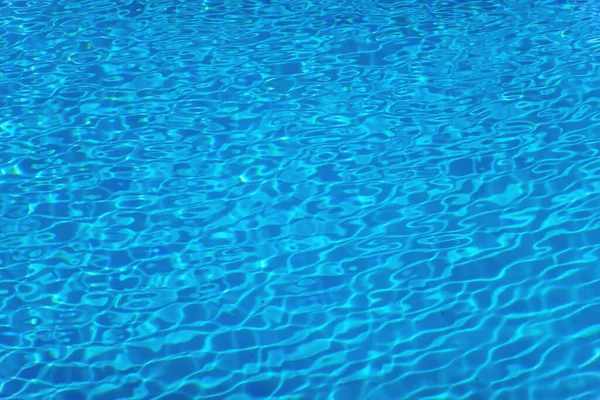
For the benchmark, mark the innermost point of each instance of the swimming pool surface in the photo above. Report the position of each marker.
(300, 200)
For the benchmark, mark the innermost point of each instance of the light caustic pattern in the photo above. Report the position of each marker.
(350, 200)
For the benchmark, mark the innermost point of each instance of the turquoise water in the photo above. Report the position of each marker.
(332, 199)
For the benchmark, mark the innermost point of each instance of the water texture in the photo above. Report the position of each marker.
(329, 199)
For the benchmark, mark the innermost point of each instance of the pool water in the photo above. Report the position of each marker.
(284, 199)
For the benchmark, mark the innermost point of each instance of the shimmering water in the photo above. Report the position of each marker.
(330, 199)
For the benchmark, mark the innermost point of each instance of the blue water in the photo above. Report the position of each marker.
(299, 200)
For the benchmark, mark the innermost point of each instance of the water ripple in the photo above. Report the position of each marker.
(324, 200)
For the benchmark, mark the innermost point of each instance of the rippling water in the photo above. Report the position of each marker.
(331, 199)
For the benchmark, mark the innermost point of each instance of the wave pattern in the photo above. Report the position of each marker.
(289, 199)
